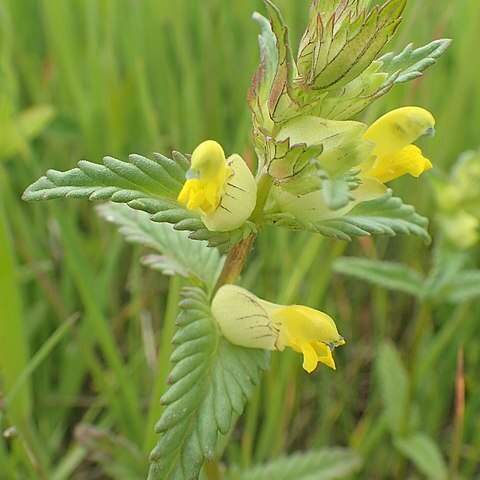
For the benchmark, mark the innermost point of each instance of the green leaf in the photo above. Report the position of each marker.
(391, 275)
(378, 79)
(394, 386)
(209, 385)
(143, 184)
(424, 453)
(385, 215)
(410, 63)
(270, 97)
(324, 464)
(259, 90)
(116, 180)
(348, 44)
(355, 96)
(280, 101)
(179, 254)
(337, 191)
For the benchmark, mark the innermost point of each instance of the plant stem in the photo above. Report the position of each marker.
(235, 262)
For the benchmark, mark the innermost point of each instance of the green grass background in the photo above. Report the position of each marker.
(85, 330)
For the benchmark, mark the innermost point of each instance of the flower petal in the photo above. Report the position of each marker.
(238, 198)
(408, 160)
(396, 129)
(310, 357)
(203, 191)
(324, 353)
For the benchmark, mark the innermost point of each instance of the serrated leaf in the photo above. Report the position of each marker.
(118, 180)
(179, 254)
(349, 42)
(391, 275)
(378, 79)
(262, 81)
(143, 184)
(348, 101)
(394, 386)
(424, 453)
(209, 385)
(261, 85)
(337, 192)
(386, 215)
(324, 464)
(410, 63)
(270, 97)
(280, 100)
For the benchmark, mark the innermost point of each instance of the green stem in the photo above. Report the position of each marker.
(235, 261)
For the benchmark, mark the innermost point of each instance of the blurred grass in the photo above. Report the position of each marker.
(141, 76)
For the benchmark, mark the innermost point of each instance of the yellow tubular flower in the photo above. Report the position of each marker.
(248, 321)
(222, 190)
(393, 134)
(206, 178)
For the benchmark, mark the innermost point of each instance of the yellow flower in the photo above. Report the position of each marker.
(222, 190)
(248, 321)
(393, 135)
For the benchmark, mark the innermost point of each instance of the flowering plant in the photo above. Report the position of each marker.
(317, 170)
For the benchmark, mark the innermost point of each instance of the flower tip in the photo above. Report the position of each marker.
(309, 368)
(208, 149)
(430, 132)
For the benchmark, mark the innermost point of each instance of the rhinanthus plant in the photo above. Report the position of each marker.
(318, 169)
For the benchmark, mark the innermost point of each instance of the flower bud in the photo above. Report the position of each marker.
(248, 321)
